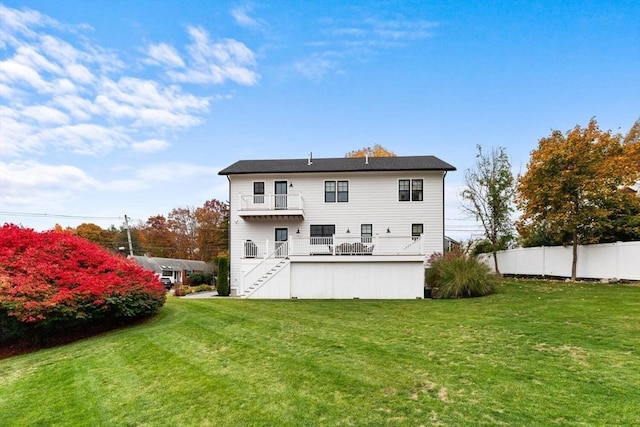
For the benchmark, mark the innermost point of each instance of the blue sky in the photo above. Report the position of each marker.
(132, 107)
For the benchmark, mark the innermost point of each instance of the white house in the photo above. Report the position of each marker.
(334, 227)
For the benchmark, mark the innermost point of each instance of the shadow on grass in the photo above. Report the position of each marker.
(38, 340)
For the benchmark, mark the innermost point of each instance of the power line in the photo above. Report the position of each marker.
(47, 215)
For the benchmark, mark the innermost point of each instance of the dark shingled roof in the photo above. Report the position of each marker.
(158, 264)
(340, 164)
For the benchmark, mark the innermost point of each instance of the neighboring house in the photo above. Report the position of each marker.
(178, 270)
(450, 244)
(336, 227)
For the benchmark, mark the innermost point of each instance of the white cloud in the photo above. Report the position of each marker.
(149, 176)
(380, 32)
(79, 73)
(84, 138)
(79, 108)
(14, 21)
(207, 62)
(62, 87)
(45, 115)
(216, 62)
(162, 53)
(14, 72)
(241, 16)
(147, 104)
(30, 183)
(14, 134)
(7, 91)
(60, 49)
(30, 57)
(346, 41)
(174, 171)
(141, 93)
(150, 146)
(317, 65)
(150, 117)
(64, 93)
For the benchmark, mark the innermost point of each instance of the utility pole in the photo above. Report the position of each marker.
(126, 224)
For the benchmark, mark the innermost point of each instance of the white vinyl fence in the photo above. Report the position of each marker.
(620, 260)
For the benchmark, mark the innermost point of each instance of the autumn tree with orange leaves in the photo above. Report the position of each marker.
(377, 151)
(158, 239)
(572, 182)
(213, 228)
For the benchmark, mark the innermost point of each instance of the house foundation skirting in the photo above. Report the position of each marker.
(384, 277)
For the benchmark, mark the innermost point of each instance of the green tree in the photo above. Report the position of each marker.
(488, 196)
(622, 223)
(94, 233)
(121, 240)
(570, 182)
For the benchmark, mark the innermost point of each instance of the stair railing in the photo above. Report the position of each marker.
(265, 265)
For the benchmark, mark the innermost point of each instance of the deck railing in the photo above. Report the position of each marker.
(336, 245)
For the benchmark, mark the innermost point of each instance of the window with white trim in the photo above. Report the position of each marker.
(416, 190)
(258, 192)
(366, 233)
(417, 230)
(410, 190)
(336, 191)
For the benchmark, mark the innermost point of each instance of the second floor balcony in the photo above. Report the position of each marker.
(271, 206)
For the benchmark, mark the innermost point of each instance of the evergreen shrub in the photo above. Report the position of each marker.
(196, 279)
(222, 284)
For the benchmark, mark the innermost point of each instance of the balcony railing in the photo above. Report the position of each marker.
(336, 245)
(270, 202)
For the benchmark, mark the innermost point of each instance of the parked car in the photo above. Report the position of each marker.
(166, 282)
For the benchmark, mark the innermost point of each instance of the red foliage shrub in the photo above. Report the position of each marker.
(54, 280)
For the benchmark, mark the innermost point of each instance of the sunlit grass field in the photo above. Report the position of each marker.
(535, 353)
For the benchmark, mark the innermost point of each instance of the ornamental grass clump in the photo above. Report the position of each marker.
(457, 275)
(54, 282)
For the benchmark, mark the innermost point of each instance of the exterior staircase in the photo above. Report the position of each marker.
(262, 280)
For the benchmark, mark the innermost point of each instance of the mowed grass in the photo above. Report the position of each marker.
(535, 353)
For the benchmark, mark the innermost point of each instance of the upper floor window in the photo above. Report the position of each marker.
(416, 190)
(343, 191)
(336, 191)
(258, 192)
(329, 191)
(403, 190)
(410, 189)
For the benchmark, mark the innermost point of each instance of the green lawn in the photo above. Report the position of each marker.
(532, 354)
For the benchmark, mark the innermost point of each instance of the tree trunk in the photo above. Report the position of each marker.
(495, 262)
(574, 260)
